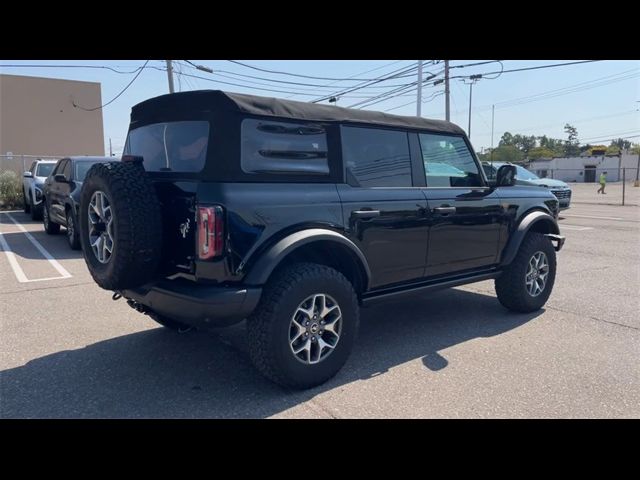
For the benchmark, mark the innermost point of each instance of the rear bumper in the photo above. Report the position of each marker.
(195, 304)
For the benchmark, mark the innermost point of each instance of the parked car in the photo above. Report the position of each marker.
(61, 195)
(293, 215)
(560, 189)
(32, 184)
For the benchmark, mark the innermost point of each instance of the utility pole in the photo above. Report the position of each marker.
(419, 99)
(446, 90)
(170, 75)
(110, 148)
(493, 112)
(473, 79)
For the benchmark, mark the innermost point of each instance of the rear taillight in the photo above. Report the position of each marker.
(210, 232)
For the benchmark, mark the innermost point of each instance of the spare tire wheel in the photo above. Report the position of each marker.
(120, 225)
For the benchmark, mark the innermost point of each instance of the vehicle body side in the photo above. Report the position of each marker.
(264, 211)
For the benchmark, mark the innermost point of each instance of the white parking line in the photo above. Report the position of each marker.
(575, 227)
(590, 216)
(15, 266)
(19, 273)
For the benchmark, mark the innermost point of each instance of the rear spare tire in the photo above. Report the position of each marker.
(120, 225)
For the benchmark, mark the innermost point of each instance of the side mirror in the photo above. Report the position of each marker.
(60, 178)
(27, 174)
(506, 176)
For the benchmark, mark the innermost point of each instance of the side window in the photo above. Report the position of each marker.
(448, 162)
(375, 157)
(33, 167)
(279, 147)
(59, 167)
(67, 170)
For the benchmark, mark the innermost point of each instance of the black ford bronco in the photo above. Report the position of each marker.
(294, 215)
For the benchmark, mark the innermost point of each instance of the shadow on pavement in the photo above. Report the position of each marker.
(158, 373)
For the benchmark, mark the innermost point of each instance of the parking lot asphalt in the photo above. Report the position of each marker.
(69, 351)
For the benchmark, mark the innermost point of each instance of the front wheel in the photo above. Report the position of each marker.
(304, 327)
(50, 227)
(525, 285)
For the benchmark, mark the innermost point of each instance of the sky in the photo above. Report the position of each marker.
(601, 99)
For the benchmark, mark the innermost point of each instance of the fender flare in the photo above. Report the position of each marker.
(269, 260)
(528, 221)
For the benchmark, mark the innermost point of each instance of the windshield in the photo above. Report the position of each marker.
(173, 146)
(524, 174)
(81, 170)
(44, 169)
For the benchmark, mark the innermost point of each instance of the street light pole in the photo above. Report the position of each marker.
(493, 112)
(470, 97)
(170, 75)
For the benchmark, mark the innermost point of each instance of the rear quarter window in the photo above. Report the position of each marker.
(282, 147)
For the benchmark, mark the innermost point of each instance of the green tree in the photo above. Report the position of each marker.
(635, 148)
(540, 152)
(557, 146)
(621, 143)
(505, 153)
(571, 144)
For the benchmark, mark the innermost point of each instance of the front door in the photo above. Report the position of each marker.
(384, 214)
(465, 213)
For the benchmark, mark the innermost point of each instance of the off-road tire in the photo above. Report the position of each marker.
(511, 285)
(268, 326)
(136, 229)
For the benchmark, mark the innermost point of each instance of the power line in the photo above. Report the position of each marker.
(533, 68)
(113, 69)
(117, 96)
(298, 75)
(394, 74)
(274, 80)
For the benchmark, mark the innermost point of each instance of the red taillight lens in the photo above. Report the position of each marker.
(210, 232)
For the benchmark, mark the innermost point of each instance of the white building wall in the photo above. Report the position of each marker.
(575, 169)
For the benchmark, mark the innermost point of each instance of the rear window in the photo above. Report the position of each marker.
(282, 147)
(170, 146)
(44, 169)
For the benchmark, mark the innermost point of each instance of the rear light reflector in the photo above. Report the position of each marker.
(210, 232)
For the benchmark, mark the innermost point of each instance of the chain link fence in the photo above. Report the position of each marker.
(21, 163)
(622, 185)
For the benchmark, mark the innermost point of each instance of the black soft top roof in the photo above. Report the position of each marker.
(216, 100)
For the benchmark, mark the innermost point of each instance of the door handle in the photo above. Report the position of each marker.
(444, 210)
(365, 213)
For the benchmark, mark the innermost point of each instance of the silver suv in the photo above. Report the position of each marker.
(32, 184)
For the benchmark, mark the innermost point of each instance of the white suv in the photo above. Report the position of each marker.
(32, 185)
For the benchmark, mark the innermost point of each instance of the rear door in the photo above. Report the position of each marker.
(465, 213)
(56, 191)
(384, 213)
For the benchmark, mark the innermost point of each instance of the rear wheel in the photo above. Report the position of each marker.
(50, 227)
(72, 233)
(304, 327)
(26, 206)
(526, 284)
